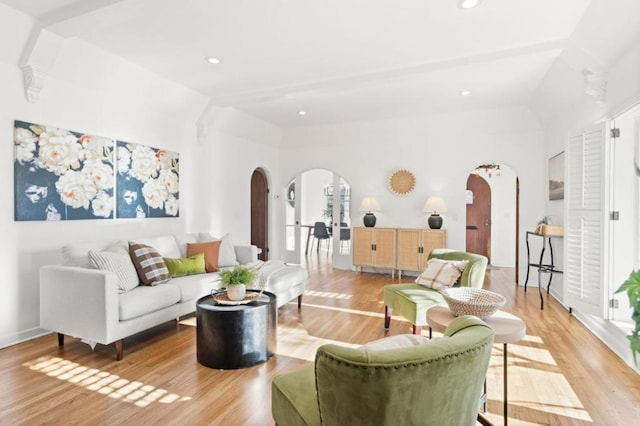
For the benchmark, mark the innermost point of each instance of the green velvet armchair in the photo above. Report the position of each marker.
(412, 300)
(436, 383)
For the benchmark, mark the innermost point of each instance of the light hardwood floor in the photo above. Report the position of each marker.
(559, 374)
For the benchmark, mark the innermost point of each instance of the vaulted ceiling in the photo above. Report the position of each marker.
(344, 60)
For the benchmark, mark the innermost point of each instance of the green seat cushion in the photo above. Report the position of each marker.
(412, 301)
(294, 399)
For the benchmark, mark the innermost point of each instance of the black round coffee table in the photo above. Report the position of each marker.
(238, 336)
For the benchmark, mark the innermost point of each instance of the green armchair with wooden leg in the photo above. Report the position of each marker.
(436, 382)
(412, 301)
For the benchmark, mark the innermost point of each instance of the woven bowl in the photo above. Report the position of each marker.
(473, 301)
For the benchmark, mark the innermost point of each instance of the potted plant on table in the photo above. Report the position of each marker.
(632, 287)
(236, 280)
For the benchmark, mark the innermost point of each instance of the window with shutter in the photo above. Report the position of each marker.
(585, 288)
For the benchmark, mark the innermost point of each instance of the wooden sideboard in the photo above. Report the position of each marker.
(375, 247)
(404, 249)
(414, 246)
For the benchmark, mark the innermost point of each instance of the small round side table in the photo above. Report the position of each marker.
(507, 328)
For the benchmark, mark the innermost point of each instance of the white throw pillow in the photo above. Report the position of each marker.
(117, 262)
(395, 342)
(441, 274)
(227, 256)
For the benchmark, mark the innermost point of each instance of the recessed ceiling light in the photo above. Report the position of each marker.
(302, 112)
(465, 92)
(468, 4)
(213, 60)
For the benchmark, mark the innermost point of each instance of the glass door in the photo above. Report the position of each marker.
(292, 214)
(341, 223)
(624, 203)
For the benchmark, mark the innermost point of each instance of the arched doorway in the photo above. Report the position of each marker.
(496, 195)
(318, 196)
(478, 216)
(260, 213)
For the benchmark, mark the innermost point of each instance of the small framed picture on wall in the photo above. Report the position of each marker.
(556, 177)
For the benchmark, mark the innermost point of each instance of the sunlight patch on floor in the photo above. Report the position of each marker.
(102, 382)
(531, 370)
(327, 294)
(296, 342)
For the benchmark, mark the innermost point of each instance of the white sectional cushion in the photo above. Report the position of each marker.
(165, 245)
(144, 299)
(76, 254)
(118, 262)
(183, 239)
(193, 287)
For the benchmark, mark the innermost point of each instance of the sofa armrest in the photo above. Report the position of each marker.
(79, 302)
(246, 254)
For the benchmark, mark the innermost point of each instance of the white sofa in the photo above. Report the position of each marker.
(83, 302)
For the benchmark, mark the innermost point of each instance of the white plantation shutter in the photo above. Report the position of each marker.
(585, 288)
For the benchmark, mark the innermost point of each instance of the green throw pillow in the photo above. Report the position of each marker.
(185, 266)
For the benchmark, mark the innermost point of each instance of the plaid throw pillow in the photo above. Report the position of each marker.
(150, 266)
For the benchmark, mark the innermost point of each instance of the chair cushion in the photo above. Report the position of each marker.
(294, 399)
(412, 301)
(395, 342)
(144, 299)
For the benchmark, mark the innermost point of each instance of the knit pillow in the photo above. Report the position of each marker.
(441, 274)
(151, 268)
(120, 263)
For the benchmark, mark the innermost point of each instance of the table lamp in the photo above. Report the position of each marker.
(435, 206)
(369, 205)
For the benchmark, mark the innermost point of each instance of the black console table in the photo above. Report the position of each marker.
(548, 268)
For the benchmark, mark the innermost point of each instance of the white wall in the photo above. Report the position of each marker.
(581, 111)
(503, 218)
(90, 91)
(314, 202)
(233, 146)
(440, 150)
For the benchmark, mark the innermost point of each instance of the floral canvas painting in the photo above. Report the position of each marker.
(61, 174)
(147, 182)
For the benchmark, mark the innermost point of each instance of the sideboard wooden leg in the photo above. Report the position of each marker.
(119, 350)
(60, 339)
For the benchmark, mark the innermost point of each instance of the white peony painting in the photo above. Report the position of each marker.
(61, 174)
(147, 181)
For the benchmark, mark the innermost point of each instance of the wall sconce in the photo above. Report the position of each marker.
(369, 205)
(435, 206)
(490, 169)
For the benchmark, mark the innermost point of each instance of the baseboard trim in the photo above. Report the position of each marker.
(22, 336)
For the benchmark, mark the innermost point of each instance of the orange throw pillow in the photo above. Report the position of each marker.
(211, 251)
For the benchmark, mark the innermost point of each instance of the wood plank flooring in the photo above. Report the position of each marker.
(560, 374)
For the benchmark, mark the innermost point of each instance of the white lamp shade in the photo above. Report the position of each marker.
(369, 204)
(435, 205)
